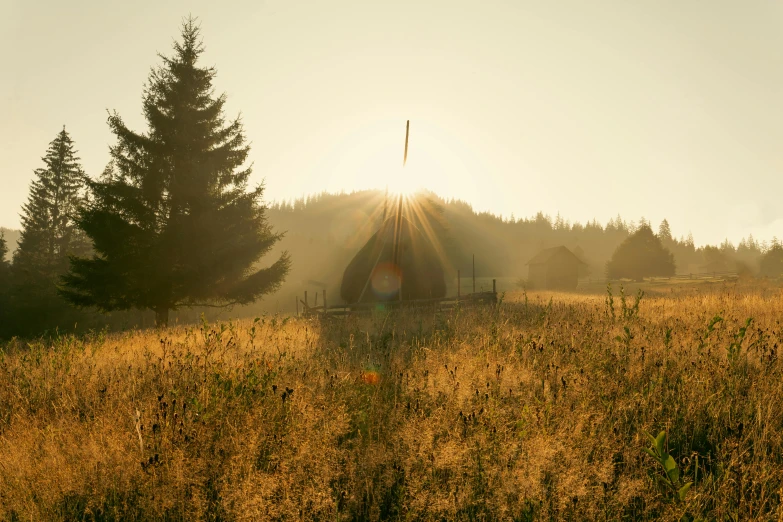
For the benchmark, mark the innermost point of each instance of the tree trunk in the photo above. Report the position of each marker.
(162, 316)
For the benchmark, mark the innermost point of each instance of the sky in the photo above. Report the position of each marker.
(652, 108)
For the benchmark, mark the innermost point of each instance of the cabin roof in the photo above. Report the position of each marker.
(548, 254)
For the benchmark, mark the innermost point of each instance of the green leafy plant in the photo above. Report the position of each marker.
(609, 301)
(670, 480)
(630, 311)
(734, 347)
(625, 338)
(710, 327)
(634, 310)
(623, 303)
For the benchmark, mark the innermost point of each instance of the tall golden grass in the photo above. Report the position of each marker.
(535, 409)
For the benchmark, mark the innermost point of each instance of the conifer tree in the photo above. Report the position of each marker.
(665, 233)
(3, 253)
(49, 232)
(771, 263)
(49, 236)
(173, 221)
(640, 255)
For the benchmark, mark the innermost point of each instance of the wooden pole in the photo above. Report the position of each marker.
(315, 304)
(407, 131)
(458, 284)
(324, 299)
(474, 273)
(297, 305)
(494, 290)
(399, 213)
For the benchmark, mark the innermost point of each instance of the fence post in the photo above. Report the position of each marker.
(458, 284)
(474, 273)
(324, 300)
(494, 290)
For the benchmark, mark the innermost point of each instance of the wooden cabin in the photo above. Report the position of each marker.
(554, 268)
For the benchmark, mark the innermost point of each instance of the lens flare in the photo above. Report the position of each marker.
(386, 280)
(371, 377)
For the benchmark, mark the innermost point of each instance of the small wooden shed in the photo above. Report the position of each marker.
(554, 268)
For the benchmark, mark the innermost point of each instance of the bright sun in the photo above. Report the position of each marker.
(372, 158)
(402, 181)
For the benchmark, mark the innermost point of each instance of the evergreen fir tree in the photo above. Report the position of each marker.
(771, 264)
(49, 235)
(665, 233)
(49, 232)
(3, 253)
(173, 223)
(640, 255)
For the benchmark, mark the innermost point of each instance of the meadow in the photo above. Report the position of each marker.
(544, 407)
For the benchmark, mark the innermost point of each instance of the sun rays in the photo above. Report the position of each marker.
(420, 210)
(404, 211)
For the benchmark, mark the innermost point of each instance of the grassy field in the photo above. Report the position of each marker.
(536, 409)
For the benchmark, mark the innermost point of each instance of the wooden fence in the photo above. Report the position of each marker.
(446, 303)
(700, 276)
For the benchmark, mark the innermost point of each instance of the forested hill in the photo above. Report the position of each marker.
(323, 233)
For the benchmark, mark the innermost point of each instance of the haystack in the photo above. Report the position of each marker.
(397, 258)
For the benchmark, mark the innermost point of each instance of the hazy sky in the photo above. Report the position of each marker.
(649, 108)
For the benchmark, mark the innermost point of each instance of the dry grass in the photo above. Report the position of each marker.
(534, 410)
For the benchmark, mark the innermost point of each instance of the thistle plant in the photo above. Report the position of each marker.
(623, 302)
(609, 301)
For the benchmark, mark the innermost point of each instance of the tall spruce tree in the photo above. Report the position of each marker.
(771, 262)
(665, 233)
(640, 255)
(3, 254)
(49, 236)
(49, 232)
(173, 222)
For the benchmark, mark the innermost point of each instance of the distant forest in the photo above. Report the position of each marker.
(323, 232)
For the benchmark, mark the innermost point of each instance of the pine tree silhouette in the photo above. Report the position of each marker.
(49, 236)
(172, 220)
